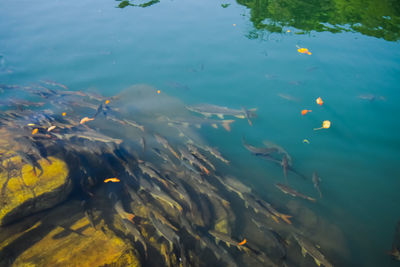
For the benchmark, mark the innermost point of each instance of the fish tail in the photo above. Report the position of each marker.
(130, 217)
(227, 124)
(285, 218)
(275, 218)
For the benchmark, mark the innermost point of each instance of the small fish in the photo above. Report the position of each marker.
(243, 242)
(289, 97)
(64, 114)
(114, 180)
(51, 128)
(85, 119)
(305, 141)
(107, 102)
(319, 101)
(35, 131)
(316, 180)
(305, 111)
(165, 144)
(288, 190)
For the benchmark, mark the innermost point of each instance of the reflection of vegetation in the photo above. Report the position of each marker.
(379, 18)
(126, 3)
(225, 5)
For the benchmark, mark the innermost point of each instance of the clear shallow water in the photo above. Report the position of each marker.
(92, 44)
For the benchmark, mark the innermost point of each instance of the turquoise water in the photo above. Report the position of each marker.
(201, 53)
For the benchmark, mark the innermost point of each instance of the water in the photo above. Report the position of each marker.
(201, 52)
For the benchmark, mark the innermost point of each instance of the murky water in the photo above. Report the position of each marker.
(238, 56)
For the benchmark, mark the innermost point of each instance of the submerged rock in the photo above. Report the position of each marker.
(23, 192)
(66, 237)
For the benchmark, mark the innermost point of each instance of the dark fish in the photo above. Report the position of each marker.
(316, 180)
(29, 159)
(288, 190)
(258, 151)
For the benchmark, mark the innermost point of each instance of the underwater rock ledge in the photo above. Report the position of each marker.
(24, 192)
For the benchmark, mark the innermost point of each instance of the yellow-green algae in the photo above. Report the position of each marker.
(28, 186)
(90, 248)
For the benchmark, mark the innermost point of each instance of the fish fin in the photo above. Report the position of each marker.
(227, 124)
(240, 116)
(214, 125)
(317, 262)
(286, 218)
(221, 116)
(303, 251)
(217, 240)
(275, 218)
(227, 243)
(181, 134)
(130, 217)
(206, 114)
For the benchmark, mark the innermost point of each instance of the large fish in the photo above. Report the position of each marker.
(209, 110)
(316, 180)
(288, 190)
(258, 151)
(308, 247)
(199, 122)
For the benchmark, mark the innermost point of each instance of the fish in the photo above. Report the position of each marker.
(136, 234)
(288, 190)
(225, 238)
(164, 230)
(305, 111)
(242, 242)
(319, 101)
(234, 185)
(51, 128)
(156, 192)
(143, 143)
(85, 119)
(199, 122)
(316, 180)
(213, 151)
(29, 159)
(285, 166)
(250, 201)
(307, 247)
(192, 160)
(134, 124)
(122, 213)
(193, 149)
(148, 169)
(258, 151)
(279, 149)
(289, 97)
(272, 210)
(209, 110)
(90, 135)
(165, 144)
(247, 115)
(114, 180)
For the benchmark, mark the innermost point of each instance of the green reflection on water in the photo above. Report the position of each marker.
(378, 18)
(126, 3)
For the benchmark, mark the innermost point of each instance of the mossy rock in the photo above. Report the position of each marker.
(82, 246)
(23, 192)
